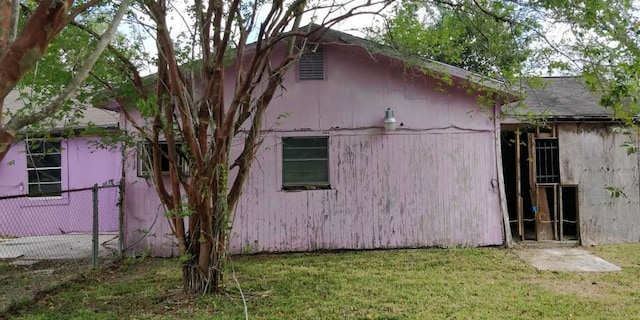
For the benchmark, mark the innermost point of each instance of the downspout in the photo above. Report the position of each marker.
(508, 240)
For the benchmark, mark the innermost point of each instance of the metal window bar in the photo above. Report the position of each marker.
(547, 164)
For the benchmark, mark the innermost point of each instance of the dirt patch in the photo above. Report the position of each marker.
(63, 246)
(582, 285)
(21, 284)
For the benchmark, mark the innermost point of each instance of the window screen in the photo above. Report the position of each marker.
(311, 65)
(44, 168)
(305, 162)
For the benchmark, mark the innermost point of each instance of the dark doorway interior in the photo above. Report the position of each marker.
(570, 213)
(556, 204)
(509, 165)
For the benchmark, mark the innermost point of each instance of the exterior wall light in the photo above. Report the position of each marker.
(389, 120)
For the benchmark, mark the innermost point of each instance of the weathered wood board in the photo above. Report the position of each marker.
(592, 158)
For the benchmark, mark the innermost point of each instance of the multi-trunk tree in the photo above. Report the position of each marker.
(210, 92)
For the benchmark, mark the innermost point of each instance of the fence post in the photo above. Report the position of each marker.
(121, 218)
(94, 260)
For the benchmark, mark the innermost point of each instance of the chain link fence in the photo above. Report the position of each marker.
(73, 224)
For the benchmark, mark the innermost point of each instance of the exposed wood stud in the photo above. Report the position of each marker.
(561, 214)
(519, 208)
(555, 212)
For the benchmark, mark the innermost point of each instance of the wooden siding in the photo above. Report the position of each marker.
(146, 228)
(388, 191)
(592, 158)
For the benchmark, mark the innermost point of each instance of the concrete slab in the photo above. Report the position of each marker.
(64, 246)
(566, 259)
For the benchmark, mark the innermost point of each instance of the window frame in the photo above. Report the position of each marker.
(144, 170)
(29, 154)
(282, 160)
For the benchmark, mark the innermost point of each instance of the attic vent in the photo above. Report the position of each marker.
(311, 65)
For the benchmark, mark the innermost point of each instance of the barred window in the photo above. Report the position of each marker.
(547, 160)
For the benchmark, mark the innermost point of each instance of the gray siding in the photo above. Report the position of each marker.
(591, 157)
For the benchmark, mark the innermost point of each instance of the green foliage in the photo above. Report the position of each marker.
(64, 56)
(149, 107)
(633, 135)
(631, 147)
(616, 192)
(186, 258)
(184, 210)
(512, 41)
(462, 36)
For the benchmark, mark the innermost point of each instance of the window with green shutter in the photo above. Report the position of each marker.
(305, 162)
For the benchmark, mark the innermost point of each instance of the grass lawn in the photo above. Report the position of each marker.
(485, 283)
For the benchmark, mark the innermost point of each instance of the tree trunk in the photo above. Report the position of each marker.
(6, 139)
(5, 22)
(18, 58)
(195, 281)
(8, 132)
(203, 272)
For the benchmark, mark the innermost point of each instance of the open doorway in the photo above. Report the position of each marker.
(540, 206)
(515, 163)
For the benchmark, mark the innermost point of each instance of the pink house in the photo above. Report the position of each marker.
(329, 176)
(43, 170)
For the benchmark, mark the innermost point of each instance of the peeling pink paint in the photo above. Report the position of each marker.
(433, 182)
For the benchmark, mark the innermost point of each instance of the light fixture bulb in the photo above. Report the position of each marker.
(389, 120)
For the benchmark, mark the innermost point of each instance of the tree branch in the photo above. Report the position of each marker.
(19, 121)
(137, 79)
(15, 15)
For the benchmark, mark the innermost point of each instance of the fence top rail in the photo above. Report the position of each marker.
(23, 195)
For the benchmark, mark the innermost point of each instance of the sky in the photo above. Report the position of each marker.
(179, 22)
